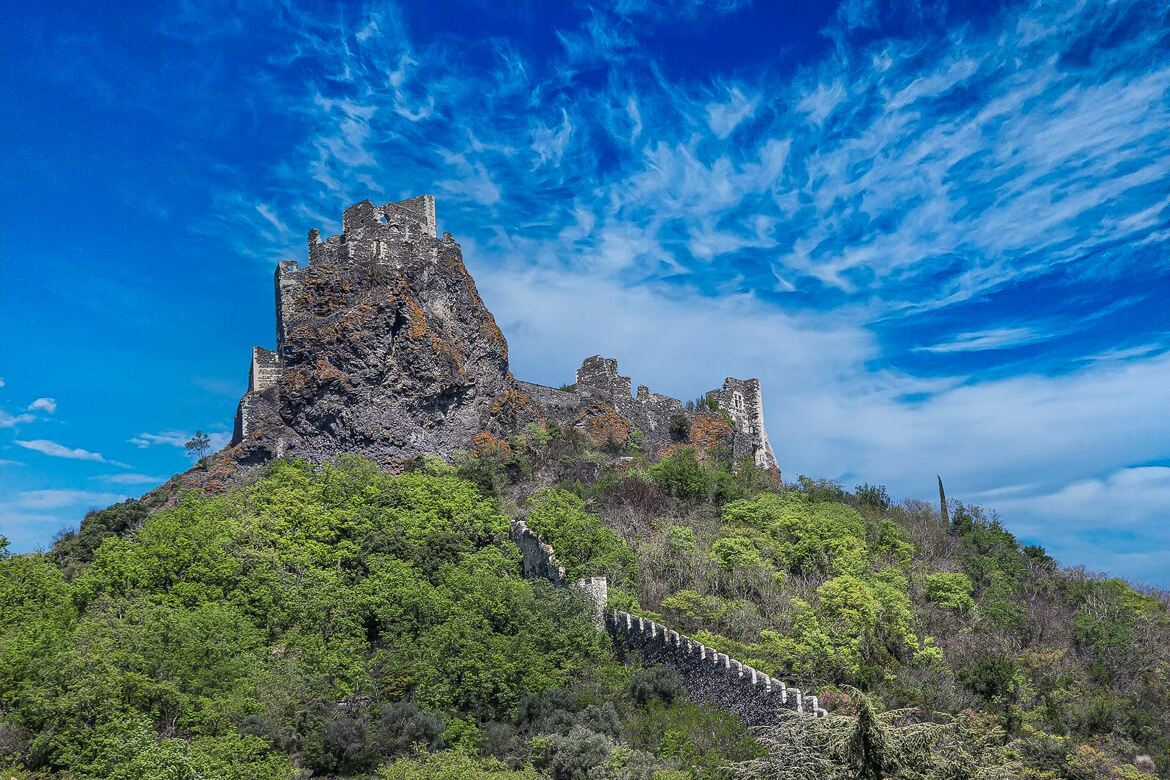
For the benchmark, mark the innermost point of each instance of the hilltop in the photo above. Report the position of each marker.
(409, 563)
(385, 348)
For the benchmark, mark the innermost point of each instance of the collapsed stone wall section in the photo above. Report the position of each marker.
(537, 559)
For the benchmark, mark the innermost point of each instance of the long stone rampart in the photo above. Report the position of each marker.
(710, 676)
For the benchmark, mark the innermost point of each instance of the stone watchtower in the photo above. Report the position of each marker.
(383, 346)
(742, 400)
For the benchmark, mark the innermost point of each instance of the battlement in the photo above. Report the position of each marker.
(404, 219)
(709, 675)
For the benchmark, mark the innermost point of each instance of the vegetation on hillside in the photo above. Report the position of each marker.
(341, 622)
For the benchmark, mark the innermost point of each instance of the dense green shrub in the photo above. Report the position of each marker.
(950, 590)
(583, 543)
(681, 475)
(263, 608)
(72, 550)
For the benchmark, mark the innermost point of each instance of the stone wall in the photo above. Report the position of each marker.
(265, 372)
(708, 675)
(598, 379)
(650, 412)
(741, 398)
(246, 413)
(558, 404)
(538, 560)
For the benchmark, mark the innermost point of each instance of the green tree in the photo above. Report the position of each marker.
(198, 445)
(583, 543)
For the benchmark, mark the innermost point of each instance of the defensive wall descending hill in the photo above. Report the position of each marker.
(708, 675)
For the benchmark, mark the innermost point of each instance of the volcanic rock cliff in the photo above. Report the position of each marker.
(385, 348)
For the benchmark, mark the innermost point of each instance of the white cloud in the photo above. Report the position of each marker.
(132, 479)
(1126, 498)
(995, 338)
(549, 143)
(12, 420)
(57, 499)
(1116, 522)
(724, 117)
(47, 405)
(55, 450)
(169, 438)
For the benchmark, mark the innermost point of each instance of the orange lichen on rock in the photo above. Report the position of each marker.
(416, 317)
(605, 425)
(485, 445)
(327, 372)
(511, 404)
(710, 430)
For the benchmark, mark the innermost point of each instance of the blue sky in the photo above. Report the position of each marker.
(938, 233)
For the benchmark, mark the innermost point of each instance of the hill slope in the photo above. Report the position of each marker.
(321, 621)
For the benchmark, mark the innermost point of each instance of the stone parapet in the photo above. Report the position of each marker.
(710, 676)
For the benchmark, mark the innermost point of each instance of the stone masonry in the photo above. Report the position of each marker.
(384, 348)
(708, 675)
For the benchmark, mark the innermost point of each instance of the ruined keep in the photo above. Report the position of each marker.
(385, 348)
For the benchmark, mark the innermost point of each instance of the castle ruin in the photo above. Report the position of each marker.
(384, 347)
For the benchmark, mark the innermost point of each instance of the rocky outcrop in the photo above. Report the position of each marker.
(385, 348)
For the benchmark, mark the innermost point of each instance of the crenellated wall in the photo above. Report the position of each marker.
(708, 675)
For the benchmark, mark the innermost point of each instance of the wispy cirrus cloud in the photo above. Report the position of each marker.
(56, 450)
(995, 338)
(976, 183)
